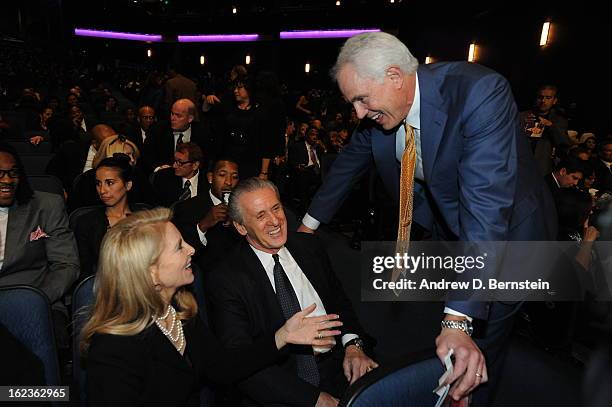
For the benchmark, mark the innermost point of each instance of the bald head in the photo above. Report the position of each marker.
(182, 114)
(146, 117)
(99, 133)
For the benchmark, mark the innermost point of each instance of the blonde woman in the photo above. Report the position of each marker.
(144, 344)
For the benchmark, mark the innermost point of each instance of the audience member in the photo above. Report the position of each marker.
(545, 127)
(37, 247)
(113, 182)
(603, 170)
(184, 180)
(203, 220)
(266, 279)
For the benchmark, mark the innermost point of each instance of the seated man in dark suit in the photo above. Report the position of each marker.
(139, 131)
(266, 279)
(203, 220)
(567, 173)
(37, 247)
(161, 145)
(184, 180)
(603, 167)
(305, 162)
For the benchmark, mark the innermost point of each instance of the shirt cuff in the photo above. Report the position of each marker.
(348, 337)
(202, 236)
(451, 311)
(310, 222)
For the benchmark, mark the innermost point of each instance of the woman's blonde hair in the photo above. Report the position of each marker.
(126, 301)
(112, 145)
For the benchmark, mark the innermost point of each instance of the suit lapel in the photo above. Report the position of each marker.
(269, 301)
(433, 119)
(311, 268)
(15, 236)
(383, 149)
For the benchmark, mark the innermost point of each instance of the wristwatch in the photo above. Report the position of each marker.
(463, 325)
(358, 342)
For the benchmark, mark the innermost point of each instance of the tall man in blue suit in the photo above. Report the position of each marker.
(474, 177)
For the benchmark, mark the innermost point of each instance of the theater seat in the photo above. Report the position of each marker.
(26, 313)
(82, 299)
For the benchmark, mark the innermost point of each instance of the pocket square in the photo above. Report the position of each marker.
(38, 234)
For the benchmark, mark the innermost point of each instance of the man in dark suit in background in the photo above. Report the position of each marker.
(266, 279)
(184, 179)
(139, 134)
(305, 162)
(567, 174)
(160, 146)
(603, 167)
(203, 220)
(446, 142)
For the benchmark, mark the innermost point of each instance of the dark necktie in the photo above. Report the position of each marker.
(179, 140)
(313, 158)
(306, 363)
(186, 192)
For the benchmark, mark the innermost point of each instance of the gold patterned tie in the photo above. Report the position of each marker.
(406, 196)
(407, 186)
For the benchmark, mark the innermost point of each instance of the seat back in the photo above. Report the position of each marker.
(46, 183)
(79, 213)
(35, 164)
(410, 385)
(25, 147)
(25, 311)
(82, 299)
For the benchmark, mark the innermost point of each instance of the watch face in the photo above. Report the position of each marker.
(469, 329)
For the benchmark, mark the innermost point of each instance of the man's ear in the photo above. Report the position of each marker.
(128, 185)
(563, 172)
(240, 228)
(395, 75)
(209, 177)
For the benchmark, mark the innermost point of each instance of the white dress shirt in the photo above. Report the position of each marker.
(3, 225)
(143, 134)
(305, 292)
(216, 201)
(91, 153)
(193, 181)
(186, 136)
(310, 148)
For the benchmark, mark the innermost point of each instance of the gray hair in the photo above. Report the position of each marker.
(247, 185)
(372, 53)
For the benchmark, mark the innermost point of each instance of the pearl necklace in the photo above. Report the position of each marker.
(174, 325)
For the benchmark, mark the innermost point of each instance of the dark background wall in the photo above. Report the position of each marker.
(507, 35)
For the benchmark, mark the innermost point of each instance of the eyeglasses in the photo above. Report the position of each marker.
(12, 173)
(180, 163)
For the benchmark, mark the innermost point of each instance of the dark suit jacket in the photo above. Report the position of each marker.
(245, 308)
(219, 239)
(69, 162)
(553, 187)
(603, 177)
(160, 146)
(50, 262)
(298, 154)
(478, 167)
(146, 370)
(553, 136)
(168, 187)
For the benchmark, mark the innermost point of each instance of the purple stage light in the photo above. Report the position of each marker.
(83, 32)
(295, 35)
(219, 38)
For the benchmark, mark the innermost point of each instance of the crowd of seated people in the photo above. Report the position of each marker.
(175, 145)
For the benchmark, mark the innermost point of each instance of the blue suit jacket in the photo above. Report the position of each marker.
(481, 181)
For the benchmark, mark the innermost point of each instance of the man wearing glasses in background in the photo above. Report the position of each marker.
(184, 179)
